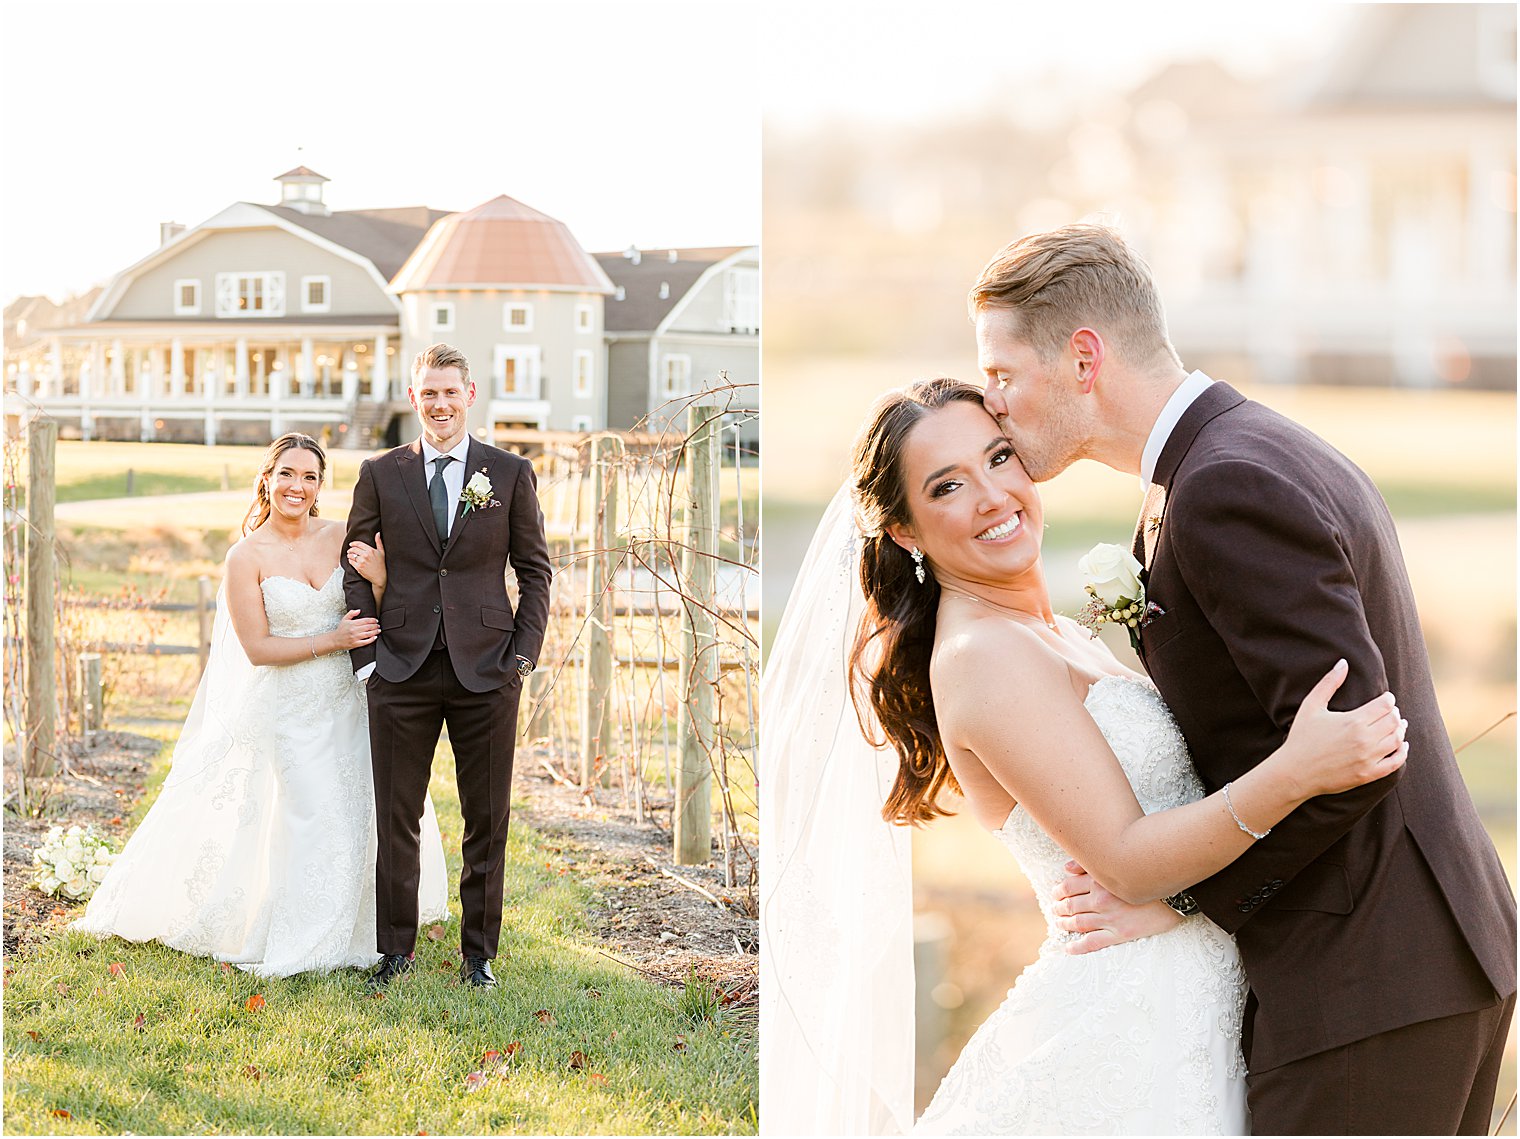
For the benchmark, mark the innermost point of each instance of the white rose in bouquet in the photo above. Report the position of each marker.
(1113, 574)
(71, 863)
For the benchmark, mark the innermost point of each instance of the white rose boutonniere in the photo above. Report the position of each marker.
(477, 492)
(1118, 595)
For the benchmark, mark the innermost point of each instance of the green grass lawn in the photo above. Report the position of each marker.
(169, 1043)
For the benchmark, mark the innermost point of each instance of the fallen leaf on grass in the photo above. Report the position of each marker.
(140, 1023)
(116, 969)
(544, 1016)
(63, 990)
(577, 1059)
(226, 968)
(513, 1049)
(474, 1081)
(435, 933)
(116, 821)
(61, 1113)
(597, 1078)
(594, 994)
(680, 1044)
(377, 995)
(35, 1035)
(490, 1058)
(251, 1072)
(255, 1002)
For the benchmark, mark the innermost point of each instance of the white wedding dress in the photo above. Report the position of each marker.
(260, 849)
(1141, 1038)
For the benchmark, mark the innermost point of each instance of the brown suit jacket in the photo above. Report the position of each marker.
(1364, 911)
(462, 589)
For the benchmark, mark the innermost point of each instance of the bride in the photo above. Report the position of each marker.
(260, 849)
(936, 620)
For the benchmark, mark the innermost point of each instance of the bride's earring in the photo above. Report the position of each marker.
(918, 563)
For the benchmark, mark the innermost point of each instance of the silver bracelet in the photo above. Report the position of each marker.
(1238, 823)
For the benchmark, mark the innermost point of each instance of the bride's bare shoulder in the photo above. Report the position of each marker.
(984, 654)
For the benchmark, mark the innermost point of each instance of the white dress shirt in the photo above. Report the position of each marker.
(453, 473)
(1182, 399)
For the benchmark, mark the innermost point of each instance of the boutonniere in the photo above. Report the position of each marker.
(1153, 524)
(1117, 591)
(477, 493)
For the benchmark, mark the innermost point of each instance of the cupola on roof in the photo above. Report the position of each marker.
(501, 244)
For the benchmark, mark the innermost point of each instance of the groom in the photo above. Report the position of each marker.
(1376, 926)
(453, 512)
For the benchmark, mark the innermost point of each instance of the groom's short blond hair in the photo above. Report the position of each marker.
(441, 356)
(1078, 275)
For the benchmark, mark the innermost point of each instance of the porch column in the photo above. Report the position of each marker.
(177, 367)
(380, 380)
(55, 366)
(240, 377)
(308, 372)
(279, 390)
(350, 380)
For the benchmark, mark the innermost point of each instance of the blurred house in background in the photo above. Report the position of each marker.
(1350, 222)
(271, 318)
(678, 318)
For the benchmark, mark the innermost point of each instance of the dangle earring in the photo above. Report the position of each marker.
(918, 563)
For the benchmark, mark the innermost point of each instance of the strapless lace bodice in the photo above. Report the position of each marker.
(1146, 741)
(295, 609)
(1141, 1038)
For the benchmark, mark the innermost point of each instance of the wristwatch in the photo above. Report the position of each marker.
(1183, 904)
(524, 667)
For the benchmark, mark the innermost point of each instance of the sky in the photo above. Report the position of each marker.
(889, 61)
(634, 123)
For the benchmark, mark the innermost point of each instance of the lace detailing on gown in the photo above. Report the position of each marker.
(260, 849)
(1139, 1038)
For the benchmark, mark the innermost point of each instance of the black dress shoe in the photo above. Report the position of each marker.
(476, 971)
(392, 965)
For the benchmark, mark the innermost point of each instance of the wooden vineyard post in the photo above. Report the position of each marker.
(596, 693)
(205, 611)
(38, 756)
(91, 719)
(697, 728)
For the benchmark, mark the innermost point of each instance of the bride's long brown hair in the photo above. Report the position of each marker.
(258, 511)
(889, 662)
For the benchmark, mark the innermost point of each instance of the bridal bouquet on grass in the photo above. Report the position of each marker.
(71, 863)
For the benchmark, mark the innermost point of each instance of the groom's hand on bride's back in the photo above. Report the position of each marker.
(1082, 905)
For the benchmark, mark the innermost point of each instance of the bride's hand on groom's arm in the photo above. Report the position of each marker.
(1083, 905)
(369, 561)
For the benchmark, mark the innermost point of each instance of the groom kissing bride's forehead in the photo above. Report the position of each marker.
(1376, 926)
(454, 512)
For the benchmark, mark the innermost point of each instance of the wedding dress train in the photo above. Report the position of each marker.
(260, 849)
(1141, 1038)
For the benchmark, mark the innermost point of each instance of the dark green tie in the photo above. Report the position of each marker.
(439, 495)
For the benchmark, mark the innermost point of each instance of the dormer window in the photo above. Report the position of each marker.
(316, 294)
(187, 298)
(250, 294)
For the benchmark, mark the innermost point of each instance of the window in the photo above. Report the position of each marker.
(581, 423)
(187, 298)
(442, 318)
(517, 371)
(517, 317)
(585, 374)
(677, 375)
(316, 294)
(250, 294)
(583, 318)
(741, 299)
